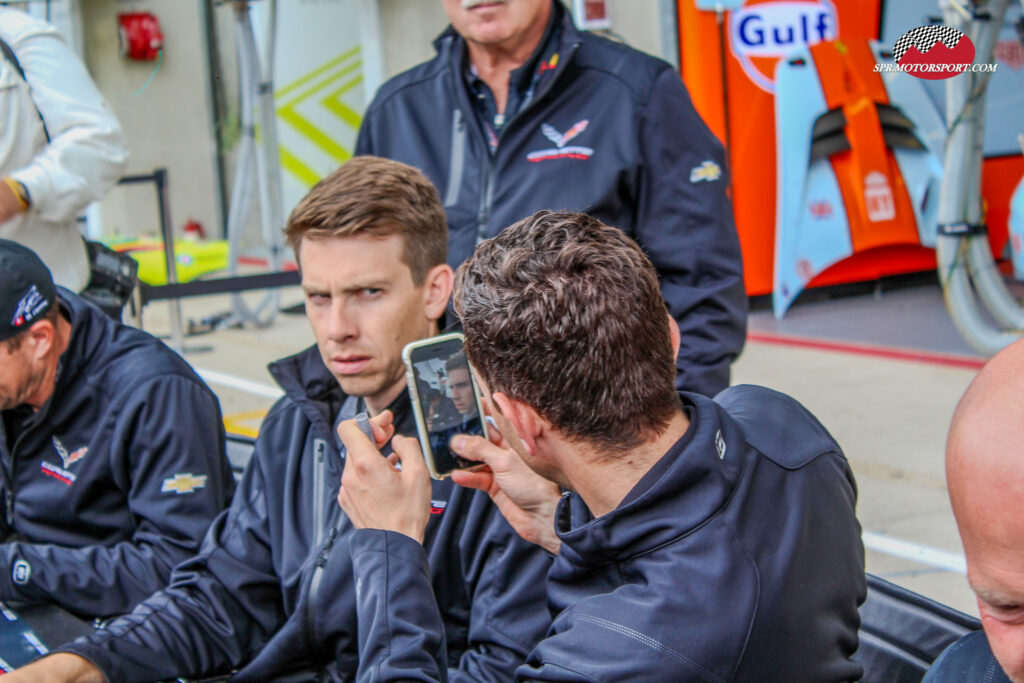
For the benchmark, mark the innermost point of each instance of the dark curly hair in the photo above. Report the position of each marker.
(564, 313)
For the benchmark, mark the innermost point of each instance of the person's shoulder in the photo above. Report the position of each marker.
(282, 416)
(16, 26)
(133, 356)
(968, 659)
(122, 359)
(636, 70)
(777, 425)
(407, 82)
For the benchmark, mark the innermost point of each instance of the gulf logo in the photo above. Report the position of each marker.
(762, 33)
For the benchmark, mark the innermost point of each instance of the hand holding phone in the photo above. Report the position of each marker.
(445, 400)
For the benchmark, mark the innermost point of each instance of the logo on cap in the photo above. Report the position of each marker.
(30, 306)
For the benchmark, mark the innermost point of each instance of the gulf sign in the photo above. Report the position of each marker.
(762, 33)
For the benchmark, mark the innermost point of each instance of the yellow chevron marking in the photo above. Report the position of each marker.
(302, 80)
(294, 165)
(339, 108)
(327, 80)
(317, 136)
(346, 69)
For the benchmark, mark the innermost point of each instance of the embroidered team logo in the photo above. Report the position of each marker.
(708, 171)
(30, 305)
(59, 473)
(183, 483)
(720, 444)
(69, 458)
(438, 506)
(548, 65)
(561, 140)
(21, 572)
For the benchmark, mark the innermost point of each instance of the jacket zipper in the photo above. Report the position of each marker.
(319, 464)
(314, 584)
(8, 474)
(483, 214)
(325, 544)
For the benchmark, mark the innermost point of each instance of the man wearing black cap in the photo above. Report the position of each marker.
(112, 459)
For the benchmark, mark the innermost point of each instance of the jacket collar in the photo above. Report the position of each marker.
(693, 487)
(307, 381)
(89, 326)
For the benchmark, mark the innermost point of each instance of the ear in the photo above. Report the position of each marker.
(524, 420)
(437, 288)
(673, 332)
(41, 337)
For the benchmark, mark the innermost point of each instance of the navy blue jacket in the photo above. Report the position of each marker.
(272, 593)
(116, 479)
(641, 159)
(737, 557)
(968, 659)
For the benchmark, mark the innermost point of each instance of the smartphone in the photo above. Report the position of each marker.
(445, 400)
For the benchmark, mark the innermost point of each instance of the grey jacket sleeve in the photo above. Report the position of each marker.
(169, 449)
(685, 224)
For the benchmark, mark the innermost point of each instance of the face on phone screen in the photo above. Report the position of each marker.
(447, 397)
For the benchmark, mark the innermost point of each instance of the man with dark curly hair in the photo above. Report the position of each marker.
(700, 539)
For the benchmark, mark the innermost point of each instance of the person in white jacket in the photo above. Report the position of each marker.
(61, 146)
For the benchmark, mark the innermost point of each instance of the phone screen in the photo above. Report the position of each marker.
(443, 389)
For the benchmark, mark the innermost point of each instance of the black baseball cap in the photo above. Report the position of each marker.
(26, 288)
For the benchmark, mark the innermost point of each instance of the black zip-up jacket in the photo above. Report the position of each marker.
(271, 592)
(611, 132)
(737, 557)
(116, 479)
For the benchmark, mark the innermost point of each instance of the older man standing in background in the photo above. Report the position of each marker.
(520, 111)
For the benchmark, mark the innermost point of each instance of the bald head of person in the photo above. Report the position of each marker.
(985, 475)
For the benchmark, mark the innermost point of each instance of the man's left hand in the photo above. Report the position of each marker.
(377, 495)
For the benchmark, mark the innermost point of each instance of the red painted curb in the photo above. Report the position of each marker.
(894, 353)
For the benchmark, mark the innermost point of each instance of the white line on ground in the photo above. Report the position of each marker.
(226, 380)
(952, 562)
(933, 557)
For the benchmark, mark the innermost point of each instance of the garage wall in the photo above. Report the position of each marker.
(169, 121)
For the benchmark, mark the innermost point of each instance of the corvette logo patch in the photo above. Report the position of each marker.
(69, 458)
(58, 473)
(561, 140)
(183, 483)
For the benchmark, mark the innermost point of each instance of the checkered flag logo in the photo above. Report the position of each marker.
(924, 39)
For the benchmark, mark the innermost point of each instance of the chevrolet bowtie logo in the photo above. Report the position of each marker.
(183, 483)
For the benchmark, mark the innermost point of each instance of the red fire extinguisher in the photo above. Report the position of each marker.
(140, 35)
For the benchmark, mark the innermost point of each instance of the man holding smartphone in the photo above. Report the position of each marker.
(701, 540)
(271, 593)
